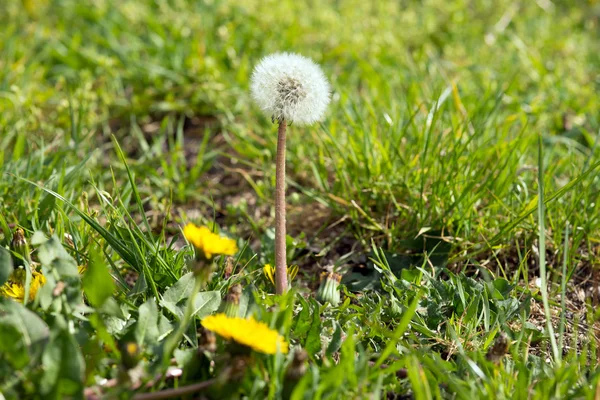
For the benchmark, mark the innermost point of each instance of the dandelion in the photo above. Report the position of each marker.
(15, 287)
(270, 272)
(288, 88)
(247, 332)
(208, 243)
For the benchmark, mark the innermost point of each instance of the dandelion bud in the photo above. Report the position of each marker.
(232, 301)
(19, 245)
(328, 290)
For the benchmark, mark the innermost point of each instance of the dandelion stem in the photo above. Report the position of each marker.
(280, 234)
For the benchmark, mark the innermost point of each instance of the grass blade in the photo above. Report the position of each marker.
(542, 249)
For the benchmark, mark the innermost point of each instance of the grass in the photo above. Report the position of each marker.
(458, 162)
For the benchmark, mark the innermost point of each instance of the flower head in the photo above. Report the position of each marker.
(210, 244)
(248, 332)
(290, 87)
(15, 287)
(269, 272)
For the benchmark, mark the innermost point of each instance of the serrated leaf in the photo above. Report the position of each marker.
(336, 339)
(303, 319)
(6, 265)
(313, 339)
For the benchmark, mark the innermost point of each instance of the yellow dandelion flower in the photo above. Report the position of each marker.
(248, 332)
(210, 244)
(269, 272)
(15, 289)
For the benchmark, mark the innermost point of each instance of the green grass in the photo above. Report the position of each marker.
(459, 153)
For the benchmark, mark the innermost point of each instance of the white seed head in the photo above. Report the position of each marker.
(290, 87)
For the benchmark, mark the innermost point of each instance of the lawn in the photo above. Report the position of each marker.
(443, 216)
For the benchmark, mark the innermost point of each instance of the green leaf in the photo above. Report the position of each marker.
(136, 194)
(98, 284)
(4, 228)
(146, 328)
(336, 340)
(206, 303)
(6, 265)
(23, 334)
(174, 298)
(101, 331)
(164, 327)
(303, 319)
(180, 291)
(112, 240)
(313, 339)
(246, 300)
(503, 286)
(12, 346)
(52, 253)
(63, 366)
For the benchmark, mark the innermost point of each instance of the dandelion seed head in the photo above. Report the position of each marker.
(290, 87)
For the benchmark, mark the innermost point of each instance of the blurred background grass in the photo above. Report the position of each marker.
(436, 111)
